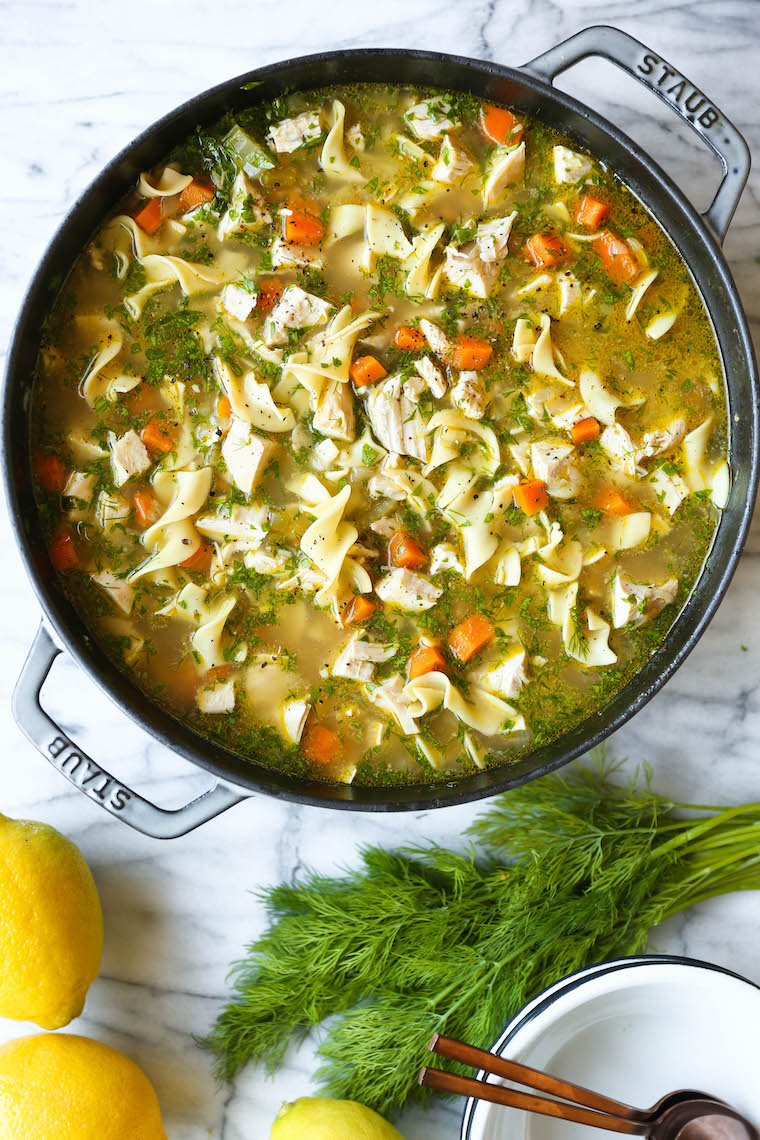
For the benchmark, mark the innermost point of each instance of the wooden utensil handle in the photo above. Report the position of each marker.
(511, 1098)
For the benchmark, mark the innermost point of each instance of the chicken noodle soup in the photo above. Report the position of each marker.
(380, 435)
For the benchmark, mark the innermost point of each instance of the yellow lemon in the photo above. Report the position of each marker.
(51, 925)
(319, 1118)
(59, 1087)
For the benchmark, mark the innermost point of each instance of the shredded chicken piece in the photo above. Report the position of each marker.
(358, 658)
(390, 696)
(129, 456)
(80, 485)
(296, 309)
(453, 163)
(432, 376)
(248, 210)
(264, 562)
(246, 454)
(569, 166)
(430, 120)
(395, 420)
(444, 556)
(407, 590)
(286, 254)
(469, 395)
(291, 134)
(671, 490)
(385, 527)
(491, 238)
(437, 339)
(619, 446)
(658, 442)
(385, 487)
(550, 459)
(509, 676)
(464, 268)
(119, 591)
(239, 303)
(637, 602)
(335, 412)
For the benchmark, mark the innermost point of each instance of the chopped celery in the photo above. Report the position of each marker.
(250, 155)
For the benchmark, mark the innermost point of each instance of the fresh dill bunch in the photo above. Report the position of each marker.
(568, 870)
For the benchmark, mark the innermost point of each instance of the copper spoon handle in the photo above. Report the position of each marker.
(511, 1098)
(534, 1078)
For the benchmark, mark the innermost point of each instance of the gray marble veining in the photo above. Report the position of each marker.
(78, 81)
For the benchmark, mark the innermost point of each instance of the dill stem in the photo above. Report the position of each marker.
(474, 989)
(749, 808)
(748, 836)
(694, 831)
(737, 882)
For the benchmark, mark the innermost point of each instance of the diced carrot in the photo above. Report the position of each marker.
(471, 353)
(216, 673)
(590, 212)
(499, 125)
(270, 292)
(612, 501)
(63, 552)
(199, 561)
(51, 473)
(426, 659)
(366, 370)
(545, 250)
(321, 745)
(156, 438)
(409, 339)
(224, 407)
(617, 258)
(195, 193)
(359, 610)
(531, 496)
(404, 551)
(146, 508)
(470, 636)
(302, 228)
(149, 218)
(585, 430)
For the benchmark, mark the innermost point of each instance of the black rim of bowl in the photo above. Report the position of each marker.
(546, 998)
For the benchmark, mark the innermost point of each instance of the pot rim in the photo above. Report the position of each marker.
(208, 754)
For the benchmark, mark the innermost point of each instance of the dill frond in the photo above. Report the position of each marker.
(568, 870)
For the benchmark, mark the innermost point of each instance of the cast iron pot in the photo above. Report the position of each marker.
(697, 239)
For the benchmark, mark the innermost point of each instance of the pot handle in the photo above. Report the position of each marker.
(109, 793)
(674, 89)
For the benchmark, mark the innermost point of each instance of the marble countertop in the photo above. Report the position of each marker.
(79, 81)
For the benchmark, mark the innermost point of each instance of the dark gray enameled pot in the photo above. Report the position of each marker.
(529, 88)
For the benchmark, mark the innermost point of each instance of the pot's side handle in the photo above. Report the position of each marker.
(88, 776)
(674, 89)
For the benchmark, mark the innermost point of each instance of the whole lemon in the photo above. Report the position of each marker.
(319, 1118)
(59, 1087)
(51, 925)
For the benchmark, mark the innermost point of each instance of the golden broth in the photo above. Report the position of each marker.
(169, 361)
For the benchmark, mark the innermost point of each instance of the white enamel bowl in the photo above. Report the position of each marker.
(635, 1030)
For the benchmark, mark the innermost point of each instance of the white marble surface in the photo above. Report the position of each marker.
(78, 81)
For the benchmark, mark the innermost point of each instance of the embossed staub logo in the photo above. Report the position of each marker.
(687, 98)
(87, 775)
